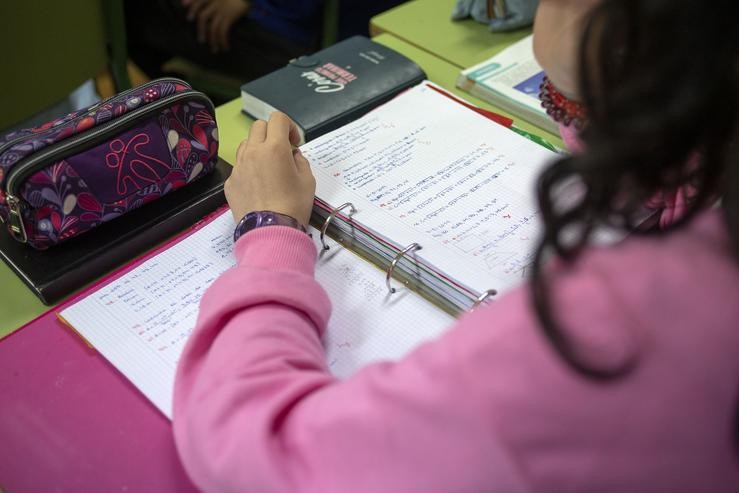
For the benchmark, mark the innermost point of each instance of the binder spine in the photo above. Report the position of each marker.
(468, 299)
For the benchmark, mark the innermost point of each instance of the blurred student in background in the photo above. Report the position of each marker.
(241, 38)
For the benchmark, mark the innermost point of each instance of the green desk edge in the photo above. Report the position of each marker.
(18, 305)
(427, 24)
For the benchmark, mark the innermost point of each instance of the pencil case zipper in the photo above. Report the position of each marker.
(67, 147)
(90, 111)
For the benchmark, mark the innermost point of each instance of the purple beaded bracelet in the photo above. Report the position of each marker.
(560, 108)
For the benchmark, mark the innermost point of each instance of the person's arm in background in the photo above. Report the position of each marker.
(214, 19)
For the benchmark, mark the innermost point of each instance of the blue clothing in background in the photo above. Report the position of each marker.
(300, 22)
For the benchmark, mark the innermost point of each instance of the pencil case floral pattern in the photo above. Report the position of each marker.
(91, 166)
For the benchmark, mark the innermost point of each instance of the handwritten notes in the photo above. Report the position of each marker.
(425, 169)
(140, 321)
(367, 323)
(421, 168)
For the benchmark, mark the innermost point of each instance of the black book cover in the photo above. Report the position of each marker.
(56, 273)
(332, 87)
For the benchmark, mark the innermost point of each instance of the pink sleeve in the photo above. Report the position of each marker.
(489, 406)
(256, 409)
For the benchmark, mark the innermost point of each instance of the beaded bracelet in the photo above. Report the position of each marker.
(560, 108)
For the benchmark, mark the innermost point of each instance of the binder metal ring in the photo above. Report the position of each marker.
(334, 211)
(483, 296)
(410, 248)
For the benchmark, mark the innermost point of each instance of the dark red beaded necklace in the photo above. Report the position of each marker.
(560, 108)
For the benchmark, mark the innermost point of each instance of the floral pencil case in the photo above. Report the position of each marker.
(74, 173)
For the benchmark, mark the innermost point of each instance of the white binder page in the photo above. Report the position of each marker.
(140, 321)
(424, 168)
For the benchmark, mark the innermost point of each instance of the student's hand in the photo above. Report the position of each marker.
(558, 27)
(214, 20)
(269, 175)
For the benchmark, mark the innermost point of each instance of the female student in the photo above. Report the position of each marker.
(614, 369)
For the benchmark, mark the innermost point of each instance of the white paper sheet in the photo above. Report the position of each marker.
(140, 322)
(425, 169)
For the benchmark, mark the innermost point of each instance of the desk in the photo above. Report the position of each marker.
(427, 24)
(18, 305)
(70, 421)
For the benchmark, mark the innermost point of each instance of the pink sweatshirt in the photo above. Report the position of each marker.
(489, 406)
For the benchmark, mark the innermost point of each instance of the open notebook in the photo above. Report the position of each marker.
(140, 321)
(424, 169)
(436, 194)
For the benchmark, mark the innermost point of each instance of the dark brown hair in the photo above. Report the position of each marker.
(660, 82)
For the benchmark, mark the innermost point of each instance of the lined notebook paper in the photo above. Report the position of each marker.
(140, 321)
(424, 168)
(421, 169)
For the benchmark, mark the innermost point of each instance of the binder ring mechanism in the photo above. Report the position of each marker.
(410, 248)
(482, 298)
(334, 211)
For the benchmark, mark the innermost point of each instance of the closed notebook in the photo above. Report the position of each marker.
(332, 87)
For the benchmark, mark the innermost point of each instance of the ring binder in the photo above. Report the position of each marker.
(410, 248)
(334, 211)
(483, 296)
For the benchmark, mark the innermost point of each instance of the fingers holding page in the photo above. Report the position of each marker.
(282, 129)
(269, 174)
(301, 163)
(257, 133)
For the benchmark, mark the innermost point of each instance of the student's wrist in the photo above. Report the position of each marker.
(279, 248)
(259, 219)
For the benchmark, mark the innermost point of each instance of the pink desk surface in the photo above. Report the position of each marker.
(70, 422)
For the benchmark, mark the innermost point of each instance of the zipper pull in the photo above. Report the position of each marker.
(17, 230)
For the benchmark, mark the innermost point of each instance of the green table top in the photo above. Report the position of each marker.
(18, 305)
(427, 24)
